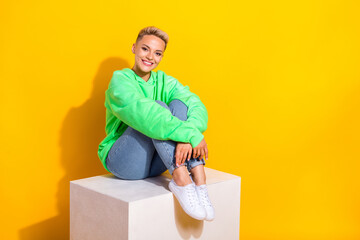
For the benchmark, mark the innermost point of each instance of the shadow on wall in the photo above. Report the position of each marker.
(81, 132)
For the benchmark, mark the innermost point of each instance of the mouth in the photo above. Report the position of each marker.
(146, 63)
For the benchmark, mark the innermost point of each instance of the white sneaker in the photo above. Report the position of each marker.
(203, 196)
(188, 199)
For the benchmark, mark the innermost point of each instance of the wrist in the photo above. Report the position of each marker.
(196, 139)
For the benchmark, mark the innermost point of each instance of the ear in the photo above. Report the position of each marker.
(133, 48)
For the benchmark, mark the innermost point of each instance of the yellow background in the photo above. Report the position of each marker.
(280, 80)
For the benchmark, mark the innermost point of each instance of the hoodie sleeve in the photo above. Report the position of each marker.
(125, 99)
(197, 113)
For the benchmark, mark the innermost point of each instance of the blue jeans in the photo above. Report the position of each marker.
(137, 156)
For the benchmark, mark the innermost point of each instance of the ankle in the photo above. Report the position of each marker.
(198, 180)
(181, 176)
(198, 175)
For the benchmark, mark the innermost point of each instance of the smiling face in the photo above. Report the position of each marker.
(148, 54)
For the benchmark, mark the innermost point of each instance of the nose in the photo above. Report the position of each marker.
(149, 55)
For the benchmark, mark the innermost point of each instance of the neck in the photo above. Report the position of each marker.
(141, 74)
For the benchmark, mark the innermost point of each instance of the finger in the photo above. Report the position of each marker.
(202, 154)
(177, 157)
(182, 158)
(189, 154)
(206, 153)
(194, 153)
(197, 153)
(186, 153)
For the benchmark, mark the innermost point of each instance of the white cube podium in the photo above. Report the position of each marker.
(108, 208)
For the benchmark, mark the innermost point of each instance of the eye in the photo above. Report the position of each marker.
(143, 48)
(159, 54)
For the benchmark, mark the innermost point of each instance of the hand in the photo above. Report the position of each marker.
(201, 150)
(182, 152)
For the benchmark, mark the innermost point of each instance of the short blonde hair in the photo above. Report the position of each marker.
(151, 30)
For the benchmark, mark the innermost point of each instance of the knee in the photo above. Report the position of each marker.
(162, 104)
(179, 108)
(178, 104)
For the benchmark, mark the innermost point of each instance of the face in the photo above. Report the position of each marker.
(148, 53)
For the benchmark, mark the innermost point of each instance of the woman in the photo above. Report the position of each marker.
(154, 123)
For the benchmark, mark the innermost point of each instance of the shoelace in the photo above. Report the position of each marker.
(204, 197)
(191, 193)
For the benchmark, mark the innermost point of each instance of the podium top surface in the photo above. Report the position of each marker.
(134, 190)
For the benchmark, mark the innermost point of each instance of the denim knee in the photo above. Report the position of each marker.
(176, 107)
(179, 109)
(178, 103)
(162, 104)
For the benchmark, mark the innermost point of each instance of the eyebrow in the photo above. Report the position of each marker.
(150, 47)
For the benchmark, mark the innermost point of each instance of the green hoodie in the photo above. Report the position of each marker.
(130, 101)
